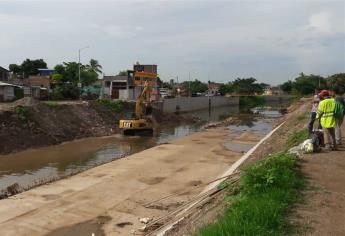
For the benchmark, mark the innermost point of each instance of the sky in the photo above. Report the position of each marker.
(272, 41)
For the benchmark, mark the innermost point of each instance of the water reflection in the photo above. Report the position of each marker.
(41, 165)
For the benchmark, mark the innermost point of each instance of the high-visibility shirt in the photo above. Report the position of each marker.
(326, 112)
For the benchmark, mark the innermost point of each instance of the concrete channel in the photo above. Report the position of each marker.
(110, 198)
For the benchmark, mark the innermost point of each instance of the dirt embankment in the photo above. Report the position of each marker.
(36, 124)
(28, 123)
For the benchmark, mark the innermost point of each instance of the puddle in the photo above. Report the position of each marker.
(238, 147)
(85, 228)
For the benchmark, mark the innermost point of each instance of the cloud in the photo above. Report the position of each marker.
(322, 22)
(270, 40)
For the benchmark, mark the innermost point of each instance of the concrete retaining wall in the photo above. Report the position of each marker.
(278, 99)
(185, 104)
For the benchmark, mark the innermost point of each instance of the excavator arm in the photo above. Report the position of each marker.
(143, 97)
(140, 125)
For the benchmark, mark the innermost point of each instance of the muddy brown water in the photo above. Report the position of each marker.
(37, 166)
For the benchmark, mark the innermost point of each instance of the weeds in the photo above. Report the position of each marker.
(114, 106)
(297, 138)
(52, 104)
(302, 117)
(22, 113)
(251, 102)
(266, 190)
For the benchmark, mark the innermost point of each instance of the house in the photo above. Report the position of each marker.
(276, 90)
(37, 86)
(130, 86)
(38, 81)
(268, 91)
(7, 92)
(45, 72)
(147, 73)
(213, 88)
(4, 74)
(119, 87)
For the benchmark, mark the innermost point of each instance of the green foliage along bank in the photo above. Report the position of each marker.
(306, 84)
(297, 138)
(248, 102)
(113, 106)
(266, 190)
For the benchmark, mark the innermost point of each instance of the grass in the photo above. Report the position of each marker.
(267, 188)
(114, 106)
(297, 138)
(303, 117)
(251, 102)
(22, 113)
(51, 104)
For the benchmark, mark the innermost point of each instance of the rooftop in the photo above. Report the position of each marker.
(2, 68)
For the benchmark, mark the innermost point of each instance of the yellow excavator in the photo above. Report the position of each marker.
(139, 124)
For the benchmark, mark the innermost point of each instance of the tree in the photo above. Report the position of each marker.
(123, 73)
(94, 66)
(247, 86)
(30, 67)
(226, 89)
(306, 84)
(68, 72)
(14, 68)
(195, 86)
(336, 82)
(66, 78)
(159, 82)
(167, 85)
(287, 86)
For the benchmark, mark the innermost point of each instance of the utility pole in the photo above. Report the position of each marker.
(189, 92)
(79, 81)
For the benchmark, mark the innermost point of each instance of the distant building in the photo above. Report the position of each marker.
(7, 92)
(165, 92)
(38, 81)
(118, 87)
(130, 86)
(4, 74)
(213, 88)
(148, 73)
(268, 91)
(45, 72)
(277, 90)
(37, 86)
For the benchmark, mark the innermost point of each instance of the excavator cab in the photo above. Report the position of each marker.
(139, 124)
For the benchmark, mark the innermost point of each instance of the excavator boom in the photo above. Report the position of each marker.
(139, 125)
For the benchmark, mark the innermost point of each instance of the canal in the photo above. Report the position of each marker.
(38, 166)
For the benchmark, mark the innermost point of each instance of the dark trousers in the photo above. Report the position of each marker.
(311, 122)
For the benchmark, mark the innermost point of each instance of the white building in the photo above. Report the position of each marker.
(7, 92)
(119, 87)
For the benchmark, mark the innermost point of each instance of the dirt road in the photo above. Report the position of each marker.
(322, 211)
(110, 198)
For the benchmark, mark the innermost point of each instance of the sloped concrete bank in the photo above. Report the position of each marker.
(207, 206)
(116, 194)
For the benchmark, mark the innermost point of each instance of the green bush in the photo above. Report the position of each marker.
(114, 106)
(51, 104)
(267, 189)
(275, 171)
(297, 138)
(251, 102)
(65, 91)
(22, 113)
